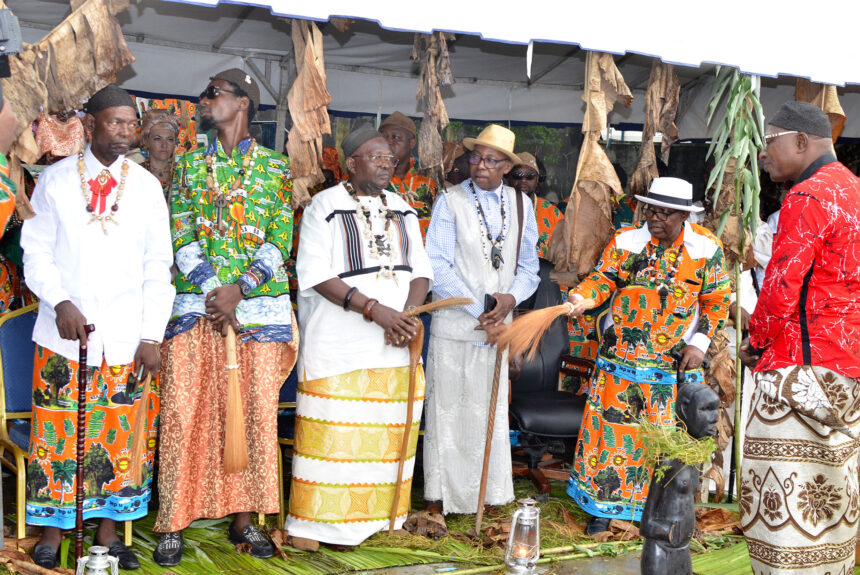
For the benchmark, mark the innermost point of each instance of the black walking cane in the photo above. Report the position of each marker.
(79, 454)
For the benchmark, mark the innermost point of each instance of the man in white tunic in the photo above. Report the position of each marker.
(361, 264)
(481, 242)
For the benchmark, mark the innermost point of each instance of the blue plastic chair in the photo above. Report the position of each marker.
(16, 397)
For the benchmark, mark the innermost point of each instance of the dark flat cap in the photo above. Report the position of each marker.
(399, 120)
(357, 138)
(802, 117)
(243, 80)
(109, 97)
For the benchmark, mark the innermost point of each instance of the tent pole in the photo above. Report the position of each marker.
(281, 111)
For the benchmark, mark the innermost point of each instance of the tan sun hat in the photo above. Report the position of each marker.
(527, 160)
(496, 137)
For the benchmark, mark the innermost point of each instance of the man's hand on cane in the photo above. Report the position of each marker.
(71, 323)
(748, 355)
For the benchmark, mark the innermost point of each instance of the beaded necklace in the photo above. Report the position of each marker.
(379, 245)
(495, 255)
(240, 184)
(664, 287)
(165, 184)
(88, 193)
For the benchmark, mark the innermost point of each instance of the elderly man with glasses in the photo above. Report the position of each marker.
(799, 486)
(526, 178)
(361, 264)
(481, 243)
(669, 292)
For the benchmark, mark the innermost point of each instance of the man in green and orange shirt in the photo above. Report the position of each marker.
(418, 191)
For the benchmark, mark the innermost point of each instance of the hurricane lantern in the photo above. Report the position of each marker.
(523, 549)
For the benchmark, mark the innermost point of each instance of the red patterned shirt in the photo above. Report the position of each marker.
(808, 312)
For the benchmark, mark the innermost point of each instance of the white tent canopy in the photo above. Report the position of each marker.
(178, 46)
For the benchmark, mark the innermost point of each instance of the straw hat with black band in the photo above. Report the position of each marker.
(497, 138)
(672, 193)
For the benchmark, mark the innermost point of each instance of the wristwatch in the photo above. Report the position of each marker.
(244, 287)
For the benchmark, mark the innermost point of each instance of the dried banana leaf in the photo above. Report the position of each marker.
(661, 106)
(720, 375)
(604, 85)
(307, 100)
(826, 98)
(431, 51)
(79, 57)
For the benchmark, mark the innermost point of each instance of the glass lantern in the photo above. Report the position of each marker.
(523, 549)
(98, 562)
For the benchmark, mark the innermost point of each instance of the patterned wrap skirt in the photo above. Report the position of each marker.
(113, 395)
(349, 435)
(609, 477)
(799, 487)
(191, 479)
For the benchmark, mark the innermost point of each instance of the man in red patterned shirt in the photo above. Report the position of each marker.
(799, 489)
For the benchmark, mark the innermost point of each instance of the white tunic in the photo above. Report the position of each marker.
(120, 281)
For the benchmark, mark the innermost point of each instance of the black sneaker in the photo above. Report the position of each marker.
(127, 559)
(260, 546)
(168, 552)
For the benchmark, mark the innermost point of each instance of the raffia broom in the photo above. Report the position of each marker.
(523, 335)
(235, 445)
(138, 450)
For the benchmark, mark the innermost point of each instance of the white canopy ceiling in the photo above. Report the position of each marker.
(179, 45)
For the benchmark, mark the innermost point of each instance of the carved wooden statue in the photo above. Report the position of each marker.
(669, 516)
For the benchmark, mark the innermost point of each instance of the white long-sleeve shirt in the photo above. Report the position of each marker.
(120, 281)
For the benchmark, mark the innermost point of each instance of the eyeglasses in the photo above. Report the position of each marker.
(382, 159)
(491, 163)
(659, 216)
(521, 176)
(212, 92)
(768, 138)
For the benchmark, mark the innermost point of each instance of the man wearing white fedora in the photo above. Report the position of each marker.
(481, 243)
(669, 294)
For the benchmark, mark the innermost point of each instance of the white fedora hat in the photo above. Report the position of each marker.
(673, 193)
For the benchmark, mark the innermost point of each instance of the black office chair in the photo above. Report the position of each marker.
(547, 418)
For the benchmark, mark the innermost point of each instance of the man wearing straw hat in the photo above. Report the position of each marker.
(361, 265)
(481, 243)
(232, 230)
(669, 292)
(798, 481)
(96, 252)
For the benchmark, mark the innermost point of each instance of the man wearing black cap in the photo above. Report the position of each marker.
(96, 252)
(799, 486)
(361, 263)
(232, 230)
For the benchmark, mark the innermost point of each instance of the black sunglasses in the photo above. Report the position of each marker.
(520, 176)
(212, 92)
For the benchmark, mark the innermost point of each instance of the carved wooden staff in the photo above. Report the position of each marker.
(491, 423)
(415, 349)
(79, 453)
(235, 445)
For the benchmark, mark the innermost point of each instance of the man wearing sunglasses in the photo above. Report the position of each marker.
(232, 229)
(481, 243)
(799, 473)
(525, 178)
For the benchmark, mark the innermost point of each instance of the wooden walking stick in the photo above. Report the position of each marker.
(491, 423)
(79, 452)
(235, 445)
(138, 451)
(415, 348)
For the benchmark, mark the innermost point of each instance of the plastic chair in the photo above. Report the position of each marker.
(17, 351)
